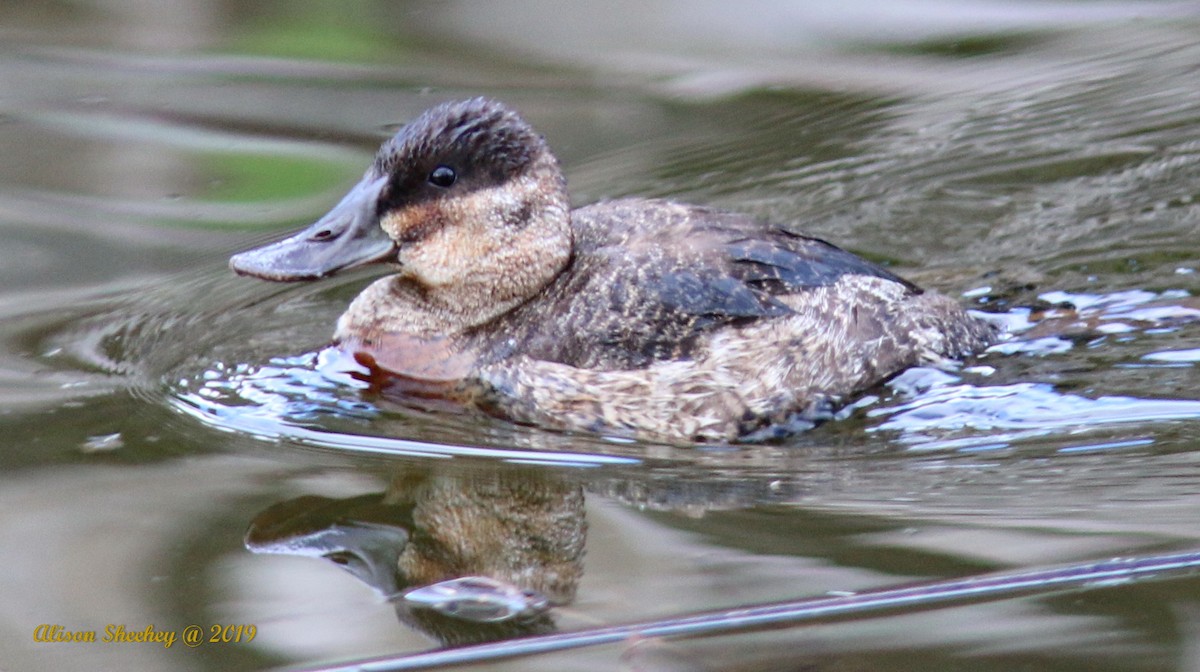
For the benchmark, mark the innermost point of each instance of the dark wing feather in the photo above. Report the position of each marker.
(713, 295)
(739, 275)
(649, 278)
(784, 262)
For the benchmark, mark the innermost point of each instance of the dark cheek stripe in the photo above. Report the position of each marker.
(523, 216)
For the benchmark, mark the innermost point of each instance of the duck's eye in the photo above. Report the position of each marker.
(442, 176)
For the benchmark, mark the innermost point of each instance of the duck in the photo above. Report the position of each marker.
(464, 556)
(634, 318)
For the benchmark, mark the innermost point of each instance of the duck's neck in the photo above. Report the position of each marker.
(400, 304)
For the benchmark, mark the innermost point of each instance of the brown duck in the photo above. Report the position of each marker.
(634, 317)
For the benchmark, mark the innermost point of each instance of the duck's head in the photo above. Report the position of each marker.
(468, 201)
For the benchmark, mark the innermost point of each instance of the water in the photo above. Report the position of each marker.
(1039, 160)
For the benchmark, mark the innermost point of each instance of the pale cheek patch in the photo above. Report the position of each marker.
(412, 223)
(447, 257)
(469, 240)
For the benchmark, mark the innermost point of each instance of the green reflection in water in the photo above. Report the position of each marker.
(248, 178)
(320, 31)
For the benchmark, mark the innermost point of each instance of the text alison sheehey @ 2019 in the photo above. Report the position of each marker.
(114, 633)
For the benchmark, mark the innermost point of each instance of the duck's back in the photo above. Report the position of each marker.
(650, 279)
(711, 325)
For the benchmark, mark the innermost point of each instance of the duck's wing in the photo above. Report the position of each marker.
(732, 267)
(783, 262)
(650, 278)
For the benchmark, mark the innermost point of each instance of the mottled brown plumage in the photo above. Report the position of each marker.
(634, 317)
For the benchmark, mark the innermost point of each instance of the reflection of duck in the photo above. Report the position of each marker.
(632, 317)
(465, 557)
